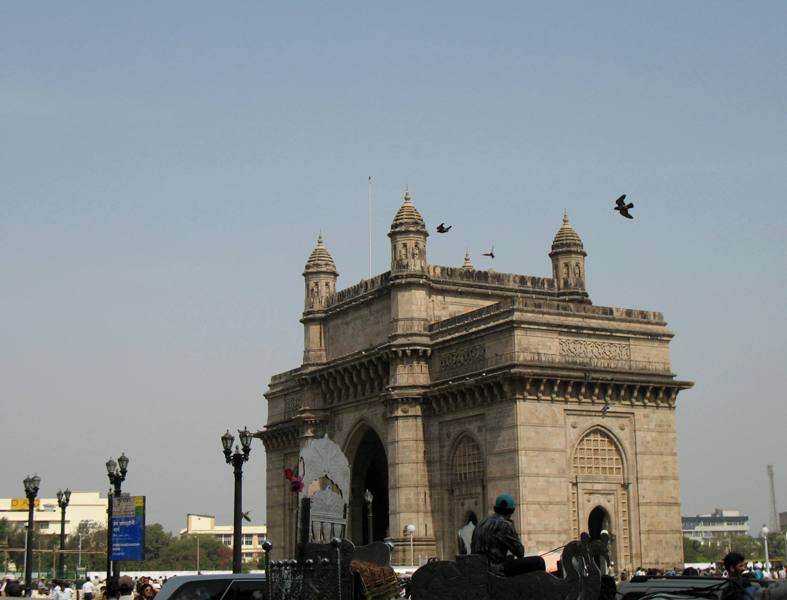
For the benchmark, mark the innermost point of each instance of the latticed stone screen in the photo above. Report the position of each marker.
(466, 465)
(597, 454)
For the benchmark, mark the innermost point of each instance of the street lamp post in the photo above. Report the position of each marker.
(62, 501)
(410, 530)
(367, 498)
(764, 532)
(236, 459)
(31, 491)
(116, 471)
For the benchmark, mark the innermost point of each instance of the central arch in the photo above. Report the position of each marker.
(369, 472)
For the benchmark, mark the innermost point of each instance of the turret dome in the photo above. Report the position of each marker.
(320, 260)
(567, 239)
(408, 217)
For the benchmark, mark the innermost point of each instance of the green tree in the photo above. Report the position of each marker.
(213, 555)
(12, 536)
(87, 549)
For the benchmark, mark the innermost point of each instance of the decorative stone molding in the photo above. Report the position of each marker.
(279, 437)
(464, 359)
(403, 407)
(594, 349)
(353, 381)
(466, 395)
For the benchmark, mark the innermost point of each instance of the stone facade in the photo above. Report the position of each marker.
(446, 386)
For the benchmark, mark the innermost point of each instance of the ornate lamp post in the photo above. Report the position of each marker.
(236, 459)
(31, 491)
(764, 533)
(62, 501)
(367, 498)
(116, 471)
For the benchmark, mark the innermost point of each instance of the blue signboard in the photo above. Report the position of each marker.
(128, 528)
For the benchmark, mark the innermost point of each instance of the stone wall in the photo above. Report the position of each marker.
(363, 326)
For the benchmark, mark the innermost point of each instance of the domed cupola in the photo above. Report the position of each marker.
(320, 260)
(408, 218)
(408, 240)
(568, 263)
(567, 239)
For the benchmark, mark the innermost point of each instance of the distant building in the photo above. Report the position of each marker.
(252, 536)
(721, 523)
(783, 521)
(87, 507)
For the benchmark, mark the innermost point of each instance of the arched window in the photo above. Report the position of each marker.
(466, 464)
(597, 454)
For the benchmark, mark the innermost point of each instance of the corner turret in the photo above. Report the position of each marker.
(320, 287)
(568, 264)
(408, 240)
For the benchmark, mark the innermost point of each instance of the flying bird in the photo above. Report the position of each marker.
(491, 253)
(622, 207)
(246, 516)
(441, 228)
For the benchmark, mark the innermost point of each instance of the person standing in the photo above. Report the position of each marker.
(88, 590)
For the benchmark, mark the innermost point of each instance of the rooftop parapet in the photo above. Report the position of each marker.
(360, 288)
(652, 317)
(510, 280)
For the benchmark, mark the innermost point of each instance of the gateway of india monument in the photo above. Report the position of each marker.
(446, 386)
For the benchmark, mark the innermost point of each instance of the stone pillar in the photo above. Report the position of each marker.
(410, 501)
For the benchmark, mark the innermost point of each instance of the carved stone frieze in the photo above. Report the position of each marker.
(580, 348)
(462, 360)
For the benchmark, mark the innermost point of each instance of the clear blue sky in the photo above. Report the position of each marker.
(165, 169)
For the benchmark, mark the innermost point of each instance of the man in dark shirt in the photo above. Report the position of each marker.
(497, 539)
(738, 587)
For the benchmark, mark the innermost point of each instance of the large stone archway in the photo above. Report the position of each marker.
(599, 471)
(369, 465)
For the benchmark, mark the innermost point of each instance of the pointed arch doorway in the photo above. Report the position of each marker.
(369, 465)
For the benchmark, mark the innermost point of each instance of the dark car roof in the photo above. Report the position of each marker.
(640, 586)
(173, 584)
(670, 587)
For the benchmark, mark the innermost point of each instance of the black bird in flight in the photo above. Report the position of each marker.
(491, 253)
(246, 516)
(622, 207)
(441, 228)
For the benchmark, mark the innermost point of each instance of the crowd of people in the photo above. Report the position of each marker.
(126, 588)
(755, 570)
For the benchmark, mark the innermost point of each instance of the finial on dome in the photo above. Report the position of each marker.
(468, 266)
(407, 196)
(565, 216)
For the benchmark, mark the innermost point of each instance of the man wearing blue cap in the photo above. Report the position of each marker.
(497, 539)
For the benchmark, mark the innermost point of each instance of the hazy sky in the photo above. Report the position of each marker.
(165, 169)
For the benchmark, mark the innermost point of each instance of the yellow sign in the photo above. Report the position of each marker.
(22, 503)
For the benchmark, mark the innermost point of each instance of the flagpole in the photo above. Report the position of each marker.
(370, 226)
